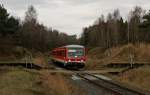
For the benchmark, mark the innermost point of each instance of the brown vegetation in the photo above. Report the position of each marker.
(137, 77)
(19, 81)
(119, 54)
(59, 85)
(40, 60)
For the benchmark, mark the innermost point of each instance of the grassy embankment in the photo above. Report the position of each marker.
(19, 81)
(138, 77)
(98, 57)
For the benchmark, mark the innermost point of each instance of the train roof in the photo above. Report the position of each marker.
(74, 46)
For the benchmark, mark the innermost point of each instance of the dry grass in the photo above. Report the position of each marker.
(40, 60)
(140, 53)
(96, 53)
(92, 64)
(16, 81)
(120, 54)
(137, 77)
(59, 85)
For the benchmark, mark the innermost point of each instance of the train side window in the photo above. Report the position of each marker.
(61, 52)
(54, 53)
(57, 53)
(64, 53)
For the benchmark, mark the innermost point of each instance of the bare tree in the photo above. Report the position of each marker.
(31, 15)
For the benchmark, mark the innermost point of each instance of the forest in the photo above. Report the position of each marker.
(106, 32)
(29, 33)
(114, 30)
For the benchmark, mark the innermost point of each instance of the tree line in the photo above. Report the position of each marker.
(113, 30)
(32, 34)
(106, 32)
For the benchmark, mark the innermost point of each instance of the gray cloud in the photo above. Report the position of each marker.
(71, 16)
(21, 4)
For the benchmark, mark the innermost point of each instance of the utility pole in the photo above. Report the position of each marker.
(130, 57)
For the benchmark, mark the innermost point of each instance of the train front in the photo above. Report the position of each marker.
(76, 56)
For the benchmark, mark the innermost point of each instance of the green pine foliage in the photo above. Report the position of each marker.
(8, 24)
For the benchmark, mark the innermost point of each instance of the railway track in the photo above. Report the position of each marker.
(108, 85)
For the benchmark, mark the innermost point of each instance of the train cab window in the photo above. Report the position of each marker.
(75, 52)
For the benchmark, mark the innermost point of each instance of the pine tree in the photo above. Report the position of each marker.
(8, 24)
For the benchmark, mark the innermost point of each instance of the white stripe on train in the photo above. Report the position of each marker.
(63, 61)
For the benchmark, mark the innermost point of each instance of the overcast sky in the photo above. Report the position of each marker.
(70, 16)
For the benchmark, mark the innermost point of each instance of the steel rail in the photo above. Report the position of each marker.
(111, 86)
(99, 85)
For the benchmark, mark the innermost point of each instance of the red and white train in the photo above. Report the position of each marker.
(70, 55)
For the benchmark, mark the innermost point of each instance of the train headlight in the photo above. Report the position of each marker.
(69, 60)
(82, 60)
